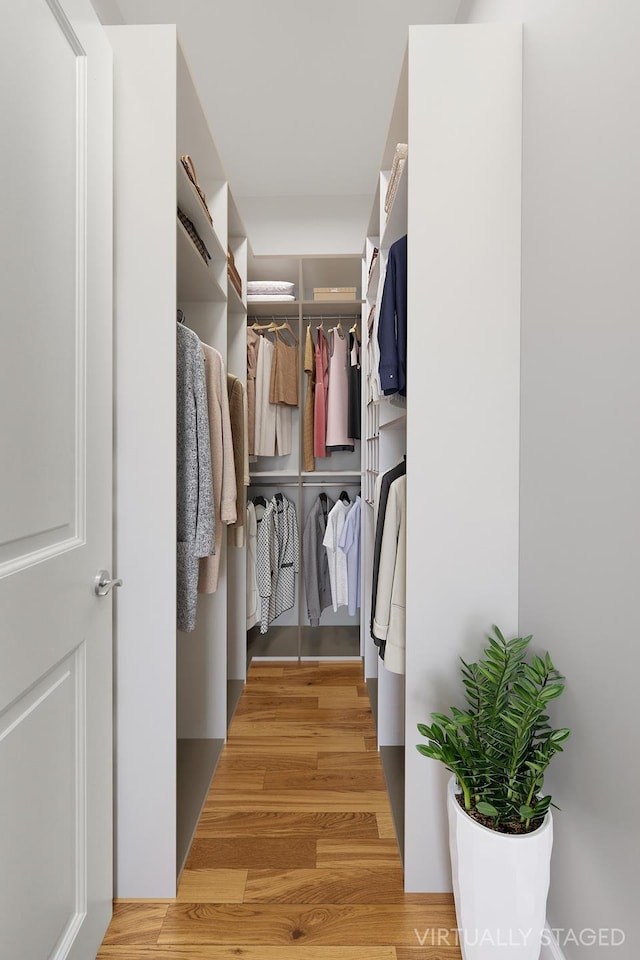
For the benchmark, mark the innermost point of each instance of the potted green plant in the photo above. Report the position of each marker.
(498, 749)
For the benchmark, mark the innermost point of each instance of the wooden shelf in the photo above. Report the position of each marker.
(191, 205)
(196, 280)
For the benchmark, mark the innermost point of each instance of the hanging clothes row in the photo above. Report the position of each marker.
(272, 385)
(212, 468)
(389, 568)
(331, 555)
(272, 559)
(332, 403)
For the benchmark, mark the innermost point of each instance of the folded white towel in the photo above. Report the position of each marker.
(269, 286)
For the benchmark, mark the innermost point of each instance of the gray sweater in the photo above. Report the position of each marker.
(195, 514)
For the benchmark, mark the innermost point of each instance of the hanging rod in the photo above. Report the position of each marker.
(274, 318)
(354, 482)
(334, 316)
(349, 482)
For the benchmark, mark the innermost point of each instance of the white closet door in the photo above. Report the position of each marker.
(55, 481)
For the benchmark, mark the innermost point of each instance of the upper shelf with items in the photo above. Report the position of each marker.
(330, 280)
(317, 284)
(203, 196)
(273, 285)
(192, 206)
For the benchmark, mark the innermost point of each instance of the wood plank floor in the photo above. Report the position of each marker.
(295, 853)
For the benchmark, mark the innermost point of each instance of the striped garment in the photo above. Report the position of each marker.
(277, 560)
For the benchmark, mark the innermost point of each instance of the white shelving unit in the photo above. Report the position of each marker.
(174, 692)
(459, 108)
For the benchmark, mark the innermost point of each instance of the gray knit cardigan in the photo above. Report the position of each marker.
(195, 513)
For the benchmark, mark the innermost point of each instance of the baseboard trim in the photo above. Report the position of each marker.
(550, 948)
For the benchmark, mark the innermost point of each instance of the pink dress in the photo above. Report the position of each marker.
(320, 401)
(338, 393)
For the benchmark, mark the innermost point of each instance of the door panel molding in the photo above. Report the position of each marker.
(50, 540)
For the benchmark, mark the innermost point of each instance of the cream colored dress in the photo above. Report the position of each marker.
(222, 463)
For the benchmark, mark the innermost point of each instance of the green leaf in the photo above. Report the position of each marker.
(538, 665)
(551, 691)
(487, 809)
(437, 734)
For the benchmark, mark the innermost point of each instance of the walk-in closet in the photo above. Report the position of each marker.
(319, 370)
(432, 384)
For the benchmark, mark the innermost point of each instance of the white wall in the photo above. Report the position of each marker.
(580, 466)
(295, 226)
(463, 375)
(108, 11)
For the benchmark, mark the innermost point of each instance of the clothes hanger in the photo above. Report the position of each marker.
(180, 316)
(259, 501)
(286, 326)
(344, 496)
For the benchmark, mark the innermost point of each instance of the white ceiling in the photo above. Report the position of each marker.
(298, 94)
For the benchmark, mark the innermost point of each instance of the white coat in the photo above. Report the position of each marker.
(390, 617)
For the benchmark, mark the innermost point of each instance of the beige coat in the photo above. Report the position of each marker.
(222, 466)
(253, 346)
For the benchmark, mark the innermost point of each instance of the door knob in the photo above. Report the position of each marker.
(103, 584)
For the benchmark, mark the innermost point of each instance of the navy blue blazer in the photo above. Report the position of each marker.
(392, 326)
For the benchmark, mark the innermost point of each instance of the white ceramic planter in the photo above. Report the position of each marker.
(500, 885)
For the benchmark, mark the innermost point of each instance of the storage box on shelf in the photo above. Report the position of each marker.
(330, 274)
(330, 294)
